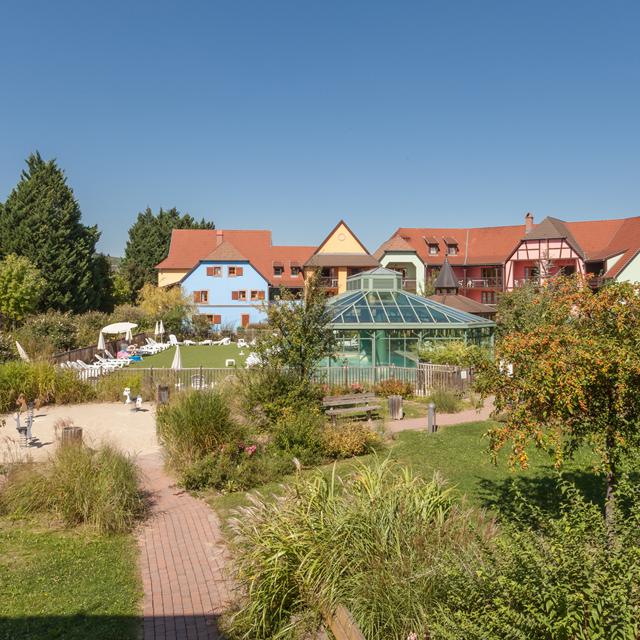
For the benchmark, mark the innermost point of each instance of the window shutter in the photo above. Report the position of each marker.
(209, 271)
(261, 295)
(217, 319)
(196, 296)
(234, 295)
(239, 271)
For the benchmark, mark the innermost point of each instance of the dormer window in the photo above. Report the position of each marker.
(452, 246)
(278, 269)
(433, 246)
(296, 269)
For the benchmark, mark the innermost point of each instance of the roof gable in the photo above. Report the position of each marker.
(551, 229)
(341, 240)
(225, 251)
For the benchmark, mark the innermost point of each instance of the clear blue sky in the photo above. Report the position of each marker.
(290, 115)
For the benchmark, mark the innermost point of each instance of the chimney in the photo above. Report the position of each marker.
(218, 237)
(528, 222)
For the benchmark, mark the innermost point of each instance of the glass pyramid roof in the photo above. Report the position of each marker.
(396, 309)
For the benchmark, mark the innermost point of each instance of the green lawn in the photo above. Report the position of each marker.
(459, 453)
(196, 356)
(67, 585)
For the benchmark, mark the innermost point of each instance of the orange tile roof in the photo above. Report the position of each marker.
(189, 246)
(595, 239)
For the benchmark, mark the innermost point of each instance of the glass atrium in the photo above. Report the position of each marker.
(379, 324)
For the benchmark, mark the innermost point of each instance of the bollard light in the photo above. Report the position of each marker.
(431, 418)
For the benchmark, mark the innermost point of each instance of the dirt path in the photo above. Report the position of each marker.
(183, 559)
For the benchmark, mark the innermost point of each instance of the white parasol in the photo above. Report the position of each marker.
(21, 352)
(177, 360)
(115, 329)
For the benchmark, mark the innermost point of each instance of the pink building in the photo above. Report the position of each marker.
(488, 260)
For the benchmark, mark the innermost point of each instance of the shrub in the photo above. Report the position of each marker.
(40, 381)
(548, 577)
(369, 543)
(454, 353)
(7, 349)
(109, 388)
(350, 439)
(195, 424)
(48, 333)
(88, 327)
(300, 434)
(393, 387)
(237, 467)
(344, 390)
(79, 485)
(268, 394)
(446, 401)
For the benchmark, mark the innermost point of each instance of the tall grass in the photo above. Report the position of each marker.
(193, 425)
(42, 381)
(446, 401)
(369, 543)
(78, 485)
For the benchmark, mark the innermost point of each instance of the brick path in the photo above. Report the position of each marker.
(182, 560)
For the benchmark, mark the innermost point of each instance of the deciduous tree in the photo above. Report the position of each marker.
(21, 287)
(575, 378)
(298, 334)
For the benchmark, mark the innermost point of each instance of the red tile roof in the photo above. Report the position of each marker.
(190, 246)
(595, 239)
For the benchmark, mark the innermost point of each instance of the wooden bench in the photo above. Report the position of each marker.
(351, 405)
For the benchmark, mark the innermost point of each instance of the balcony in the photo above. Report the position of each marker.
(409, 285)
(328, 282)
(481, 283)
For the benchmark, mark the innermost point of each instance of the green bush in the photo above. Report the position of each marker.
(88, 327)
(548, 578)
(446, 401)
(453, 352)
(393, 387)
(301, 435)
(7, 349)
(109, 388)
(349, 440)
(268, 394)
(195, 424)
(78, 485)
(48, 333)
(40, 381)
(237, 467)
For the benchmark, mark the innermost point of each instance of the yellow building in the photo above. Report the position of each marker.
(340, 255)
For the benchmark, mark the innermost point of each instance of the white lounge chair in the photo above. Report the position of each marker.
(221, 342)
(242, 343)
(173, 341)
(189, 342)
(207, 342)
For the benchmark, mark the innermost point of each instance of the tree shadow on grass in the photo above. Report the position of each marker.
(542, 491)
(101, 627)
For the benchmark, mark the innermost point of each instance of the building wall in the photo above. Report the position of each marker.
(411, 262)
(167, 277)
(220, 300)
(631, 273)
(341, 241)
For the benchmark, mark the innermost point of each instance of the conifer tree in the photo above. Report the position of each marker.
(148, 244)
(41, 221)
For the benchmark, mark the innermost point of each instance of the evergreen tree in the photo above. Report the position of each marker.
(41, 221)
(148, 244)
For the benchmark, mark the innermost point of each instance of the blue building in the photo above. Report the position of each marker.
(231, 275)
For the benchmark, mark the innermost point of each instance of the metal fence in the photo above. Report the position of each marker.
(424, 378)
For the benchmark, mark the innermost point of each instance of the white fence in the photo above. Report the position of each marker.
(424, 378)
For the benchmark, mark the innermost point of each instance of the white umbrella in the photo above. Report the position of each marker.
(21, 352)
(129, 336)
(156, 331)
(115, 329)
(161, 329)
(101, 344)
(177, 360)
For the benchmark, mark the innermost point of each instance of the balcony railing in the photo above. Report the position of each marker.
(328, 283)
(481, 283)
(409, 284)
